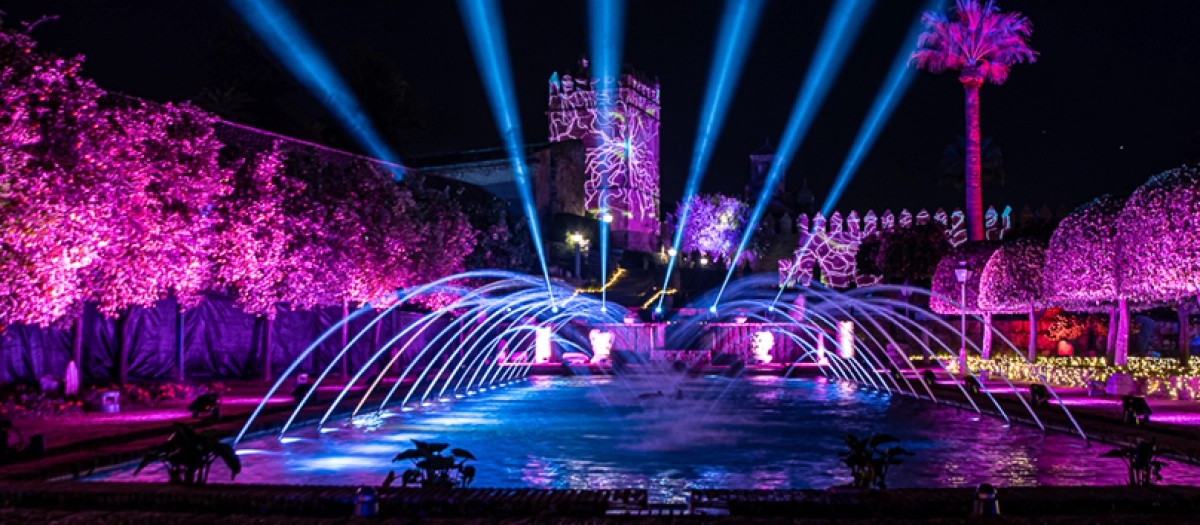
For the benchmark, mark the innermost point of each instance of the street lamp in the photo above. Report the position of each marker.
(962, 273)
(579, 241)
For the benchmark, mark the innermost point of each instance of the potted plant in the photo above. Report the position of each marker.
(432, 469)
(1142, 461)
(869, 464)
(189, 456)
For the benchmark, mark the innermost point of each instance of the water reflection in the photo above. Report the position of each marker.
(594, 432)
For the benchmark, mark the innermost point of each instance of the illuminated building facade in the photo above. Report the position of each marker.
(622, 174)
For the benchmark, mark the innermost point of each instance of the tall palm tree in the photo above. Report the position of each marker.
(981, 43)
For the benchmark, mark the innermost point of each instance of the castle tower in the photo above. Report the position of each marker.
(621, 163)
(760, 165)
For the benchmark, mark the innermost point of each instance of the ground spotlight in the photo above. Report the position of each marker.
(841, 29)
(287, 40)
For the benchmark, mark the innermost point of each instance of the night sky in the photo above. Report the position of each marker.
(1112, 100)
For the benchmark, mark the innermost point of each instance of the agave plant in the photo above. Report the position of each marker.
(189, 456)
(1141, 460)
(869, 464)
(432, 469)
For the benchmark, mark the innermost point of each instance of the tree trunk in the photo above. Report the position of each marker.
(986, 349)
(1121, 352)
(1111, 344)
(77, 344)
(375, 345)
(179, 358)
(266, 355)
(1185, 332)
(974, 181)
(1033, 319)
(345, 336)
(122, 351)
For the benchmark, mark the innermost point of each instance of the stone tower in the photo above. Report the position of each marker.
(622, 161)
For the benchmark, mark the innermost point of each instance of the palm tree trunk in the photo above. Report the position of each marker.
(974, 182)
(1033, 318)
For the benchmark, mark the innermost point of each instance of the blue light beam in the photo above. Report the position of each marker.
(894, 87)
(738, 24)
(841, 30)
(485, 31)
(286, 38)
(606, 28)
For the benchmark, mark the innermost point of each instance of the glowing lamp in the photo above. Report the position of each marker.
(761, 345)
(703, 260)
(741, 319)
(658, 310)
(629, 319)
(601, 345)
(671, 252)
(962, 273)
(846, 339)
(606, 217)
(713, 309)
(541, 345)
(577, 238)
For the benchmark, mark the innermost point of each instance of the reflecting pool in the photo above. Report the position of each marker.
(756, 432)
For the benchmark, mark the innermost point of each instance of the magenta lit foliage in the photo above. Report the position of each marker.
(1082, 270)
(947, 291)
(976, 39)
(1012, 279)
(714, 224)
(1159, 233)
(120, 202)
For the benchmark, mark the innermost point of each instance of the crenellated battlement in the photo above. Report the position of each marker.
(832, 243)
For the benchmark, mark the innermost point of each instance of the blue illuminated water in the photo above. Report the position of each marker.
(764, 432)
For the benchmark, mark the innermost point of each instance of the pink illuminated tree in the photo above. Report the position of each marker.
(981, 43)
(1084, 271)
(1012, 283)
(714, 226)
(59, 187)
(254, 251)
(948, 293)
(160, 240)
(1159, 233)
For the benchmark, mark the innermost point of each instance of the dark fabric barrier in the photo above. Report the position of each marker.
(219, 342)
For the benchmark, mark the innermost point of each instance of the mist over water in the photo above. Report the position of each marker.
(751, 432)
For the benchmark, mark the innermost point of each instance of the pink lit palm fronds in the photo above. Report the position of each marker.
(974, 35)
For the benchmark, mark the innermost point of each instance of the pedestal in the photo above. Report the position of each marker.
(1120, 384)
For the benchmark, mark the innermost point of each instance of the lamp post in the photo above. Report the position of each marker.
(962, 273)
(579, 241)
